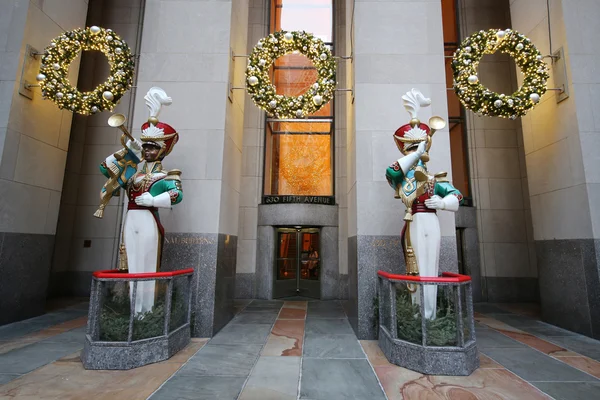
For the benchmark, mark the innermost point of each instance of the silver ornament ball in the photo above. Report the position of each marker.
(108, 95)
(473, 79)
(272, 104)
(252, 81)
(288, 37)
(318, 100)
(534, 97)
(498, 103)
(40, 77)
(95, 30)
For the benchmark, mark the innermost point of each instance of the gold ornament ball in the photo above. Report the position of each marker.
(415, 122)
(153, 120)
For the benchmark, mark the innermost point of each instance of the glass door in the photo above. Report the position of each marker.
(297, 263)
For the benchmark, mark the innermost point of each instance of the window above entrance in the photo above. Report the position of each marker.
(299, 152)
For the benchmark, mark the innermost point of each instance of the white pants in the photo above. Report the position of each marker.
(141, 237)
(425, 237)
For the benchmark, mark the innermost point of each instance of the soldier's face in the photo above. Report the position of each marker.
(150, 152)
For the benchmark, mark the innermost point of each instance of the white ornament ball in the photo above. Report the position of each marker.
(468, 49)
(473, 79)
(288, 37)
(259, 45)
(40, 77)
(108, 95)
(95, 30)
(118, 50)
(94, 109)
(323, 56)
(53, 44)
(299, 113)
(59, 95)
(501, 35)
(318, 100)
(262, 62)
(315, 85)
(539, 57)
(56, 66)
(272, 104)
(467, 62)
(534, 97)
(109, 38)
(498, 103)
(510, 102)
(252, 81)
(275, 48)
(519, 46)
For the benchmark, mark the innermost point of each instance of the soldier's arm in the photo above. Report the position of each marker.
(451, 196)
(171, 190)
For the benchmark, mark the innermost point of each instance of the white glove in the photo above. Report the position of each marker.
(145, 200)
(421, 148)
(435, 203)
(134, 145)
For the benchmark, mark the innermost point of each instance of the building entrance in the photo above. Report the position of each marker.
(297, 263)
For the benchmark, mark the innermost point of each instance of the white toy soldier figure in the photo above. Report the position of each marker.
(148, 190)
(422, 194)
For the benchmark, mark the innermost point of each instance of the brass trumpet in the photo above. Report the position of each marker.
(435, 124)
(118, 121)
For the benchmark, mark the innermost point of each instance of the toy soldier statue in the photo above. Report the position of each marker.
(422, 194)
(148, 189)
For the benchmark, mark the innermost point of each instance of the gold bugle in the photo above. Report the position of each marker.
(436, 123)
(118, 121)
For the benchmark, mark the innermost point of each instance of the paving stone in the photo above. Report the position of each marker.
(534, 366)
(273, 378)
(489, 338)
(332, 346)
(328, 379)
(326, 313)
(329, 326)
(28, 358)
(242, 334)
(580, 344)
(181, 387)
(223, 360)
(5, 378)
(570, 390)
(254, 318)
(485, 308)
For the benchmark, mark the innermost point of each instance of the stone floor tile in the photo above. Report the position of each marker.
(329, 326)
(483, 384)
(495, 324)
(489, 338)
(328, 379)
(487, 363)
(223, 360)
(273, 378)
(485, 308)
(532, 365)
(570, 390)
(299, 305)
(188, 351)
(33, 356)
(200, 388)
(325, 313)
(542, 329)
(265, 304)
(535, 342)
(332, 346)
(324, 305)
(374, 353)
(579, 344)
(261, 310)
(528, 309)
(292, 313)
(5, 378)
(286, 339)
(67, 379)
(242, 334)
(584, 364)
(254, 318)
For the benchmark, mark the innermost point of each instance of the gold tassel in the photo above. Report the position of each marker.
(100, 211)
(123, 258)
(408, 216)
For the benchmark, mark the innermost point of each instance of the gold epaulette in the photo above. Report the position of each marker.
(441, 177)
(174, 175)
